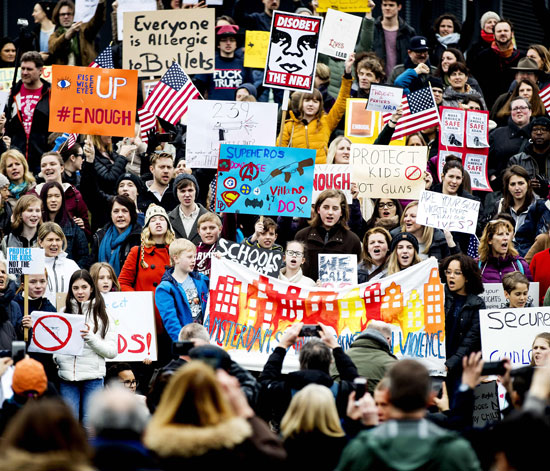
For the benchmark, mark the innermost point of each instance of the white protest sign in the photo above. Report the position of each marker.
(452, 127)
(4, 97)
(339, 35)
(332, 177)
(337, 270)
(25, 261)
(57, 333)
(383, 98)
(211, 123)
(263, 261)
(509, 333)
(128, 6)
(388, 171)
(134, 317)
(453, 213)
(486, 404)
(442, 157)
(84, 10)
(494, 295)
(477, 125)
(476, 166)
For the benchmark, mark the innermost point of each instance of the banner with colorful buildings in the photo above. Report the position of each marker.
(249, 312)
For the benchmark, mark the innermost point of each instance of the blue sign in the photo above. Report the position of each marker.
(265, 180)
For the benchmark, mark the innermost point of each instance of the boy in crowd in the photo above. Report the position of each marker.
(210, 226)
(182, 294)
(265, 235)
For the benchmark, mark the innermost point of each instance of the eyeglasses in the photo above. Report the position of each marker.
(294, 253)
(130, 383)
(386, 205)
(455, 273)
(520, 108)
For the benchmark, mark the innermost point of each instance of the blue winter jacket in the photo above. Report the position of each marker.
(172, 302)
(537, 222)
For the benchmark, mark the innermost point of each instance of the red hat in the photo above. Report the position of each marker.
(227, 30)
(29, 375)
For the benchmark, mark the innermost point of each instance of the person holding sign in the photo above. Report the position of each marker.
(311, 127)
(82, 375)
(404, 253)
(27, 216)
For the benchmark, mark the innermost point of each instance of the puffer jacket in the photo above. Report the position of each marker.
(316, 133)
(59, 270)
(91, 364)
(493, 269)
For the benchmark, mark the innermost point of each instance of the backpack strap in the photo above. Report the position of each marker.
(520, 267)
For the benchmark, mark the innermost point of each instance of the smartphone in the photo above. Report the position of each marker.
(18, 350)
(360, 387)
(310, 330)
(182, 348)
(493, 368)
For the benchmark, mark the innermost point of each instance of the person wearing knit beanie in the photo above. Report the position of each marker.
(489, 15)
(404, 252)
(29, 378)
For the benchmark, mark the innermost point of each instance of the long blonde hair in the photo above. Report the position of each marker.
(393, 264)
(490, 230)
(427, 234)
(148, 242)
(312, 409)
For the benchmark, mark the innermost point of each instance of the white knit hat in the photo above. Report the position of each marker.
(156, 210)
(488, 15)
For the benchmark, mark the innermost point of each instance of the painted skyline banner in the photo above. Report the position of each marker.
(248, 313)
(265, 180)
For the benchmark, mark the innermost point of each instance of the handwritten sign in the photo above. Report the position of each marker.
(292, 54)
(339, 35)
(154, 39)
(134, 317)
(25, 261)
(265, 180)
(337, 270)
(265, 262)
(509, 333)
(6, 76)
(125, 6)
(84, 10)
(486, 404)
(384, 99)
(388, 171)
(343, 5)
(494, 295)
(211, 123)
(453, 213)
(255, 49)
(57, 333)
(332, 177)
(90, 100)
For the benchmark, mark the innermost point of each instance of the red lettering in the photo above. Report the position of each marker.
(121, 347)
(139, 340)
(76, 114)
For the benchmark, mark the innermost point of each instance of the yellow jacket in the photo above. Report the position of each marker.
(316, 134)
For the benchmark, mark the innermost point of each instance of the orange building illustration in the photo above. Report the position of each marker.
(434, 307)
(392, 304)
(411, 318)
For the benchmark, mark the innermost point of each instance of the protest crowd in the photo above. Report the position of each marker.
(287, 235)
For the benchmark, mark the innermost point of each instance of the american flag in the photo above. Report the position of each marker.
(545, 97)
(473, 247)
(147, 121)
(419, 112)
(170, 97)
(104, 60)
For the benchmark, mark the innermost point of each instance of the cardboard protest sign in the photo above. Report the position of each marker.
(384, 98)
(292, 54)
(263, 261)
(134, 316)
(25, 261)
(494, 295)
(337, 270)
(125, 6)
(265, 180)
(255, 49)
(509, 333)
(387, 171)
(89, 100)
(452, 213)
(211, 123)
(339, 35)
(343, 5)
(84, 10)
(486, 404)
(6, 76)
(57, 333)
(154, 39)
(332, 177)
(248, 313)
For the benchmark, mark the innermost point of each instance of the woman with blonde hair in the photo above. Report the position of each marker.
(404, 253)
(310, 424)
(497, 255)
(14, 166)
(203, 421)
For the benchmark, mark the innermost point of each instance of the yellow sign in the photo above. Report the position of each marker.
(255, 49)
(343, 5)
(6, 76)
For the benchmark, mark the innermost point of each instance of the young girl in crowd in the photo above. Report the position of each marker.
(516, 289)
(376, 249)
(8, 290)
(58, 266)
(497, 255)
(404, 253)
(328, 231)
(104, 277)
(387, 213)
(294, 258)
(541, 349)
(27, 216)
(82, 375)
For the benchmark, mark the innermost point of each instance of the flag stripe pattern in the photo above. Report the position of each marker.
(104, 60)
(419, 112)
(545, 97)
(147, 121)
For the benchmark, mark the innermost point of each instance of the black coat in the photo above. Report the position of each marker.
(133, 239)
(504, 142)
(404, 35)
(320, 451)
